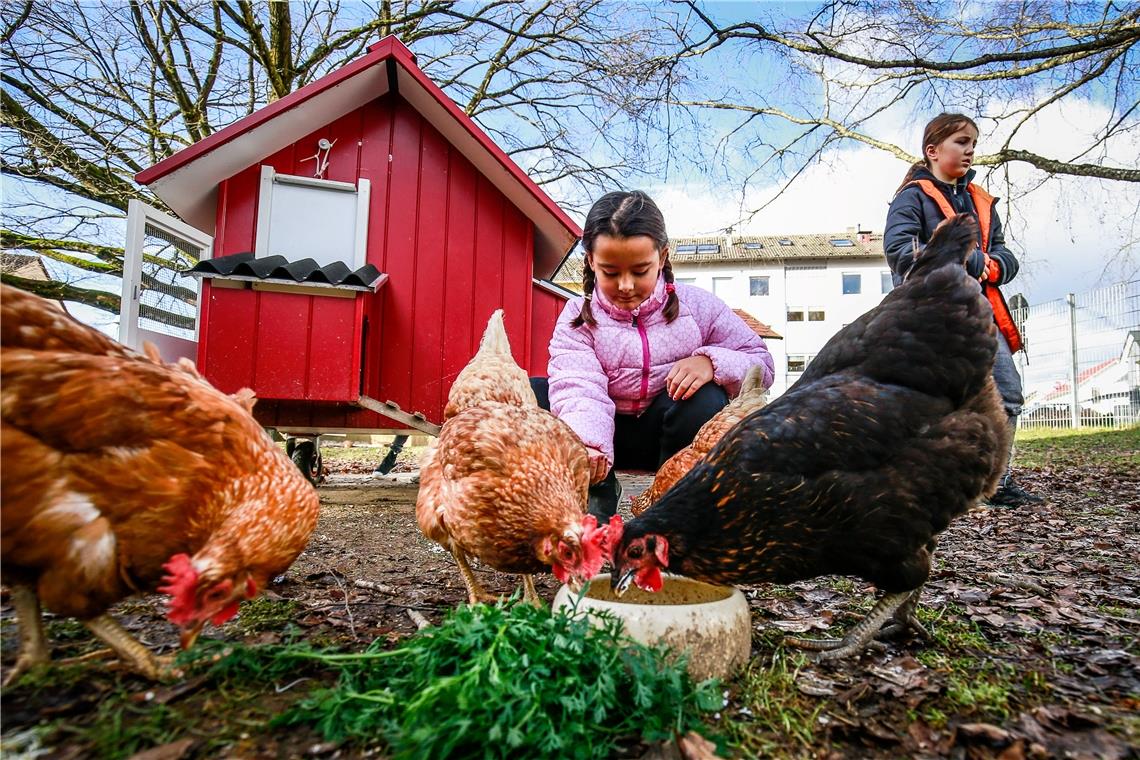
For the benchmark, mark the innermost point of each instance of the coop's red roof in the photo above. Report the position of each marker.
(188, 181)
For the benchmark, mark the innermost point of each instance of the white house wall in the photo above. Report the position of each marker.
(792, 287)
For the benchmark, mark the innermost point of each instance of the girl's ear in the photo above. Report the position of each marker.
(664, 255)
(931, 152)
(590, 260)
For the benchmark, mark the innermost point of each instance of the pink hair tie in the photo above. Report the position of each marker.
(669, 288)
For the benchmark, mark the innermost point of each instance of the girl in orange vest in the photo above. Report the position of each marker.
(940, 186)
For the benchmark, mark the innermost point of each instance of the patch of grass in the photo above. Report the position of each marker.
(264, 614)
(66, 629)
(120, 729)
(952, 631)
(1074, 448)
(53, 677)
(776, 713)
(975, 693)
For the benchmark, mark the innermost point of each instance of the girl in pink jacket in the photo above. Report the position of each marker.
(639, 363)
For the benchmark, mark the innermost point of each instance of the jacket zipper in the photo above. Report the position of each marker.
(644, 352)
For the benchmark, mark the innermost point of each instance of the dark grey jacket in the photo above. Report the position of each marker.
(913, 215)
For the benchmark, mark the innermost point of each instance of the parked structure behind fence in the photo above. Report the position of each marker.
(1081, 367)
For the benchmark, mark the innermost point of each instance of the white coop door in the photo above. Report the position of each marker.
(159, 305)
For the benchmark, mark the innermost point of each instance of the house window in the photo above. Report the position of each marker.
(852, 284)
(708, 248)
(798, 362)
(841, 243)
(686, 280)
(785, 241)
(687, 248)
(795, 315)
(757, 286)
(721, 286)
(753, 246)
(888, 283)
(303, 217)
(815, 315)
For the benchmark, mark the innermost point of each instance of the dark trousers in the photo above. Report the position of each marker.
(645, 441)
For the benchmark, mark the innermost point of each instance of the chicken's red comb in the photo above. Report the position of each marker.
(180, 584)
(613, 535)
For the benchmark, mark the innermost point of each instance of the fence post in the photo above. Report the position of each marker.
(1074, 402)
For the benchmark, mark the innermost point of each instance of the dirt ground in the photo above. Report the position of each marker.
(1034, 613)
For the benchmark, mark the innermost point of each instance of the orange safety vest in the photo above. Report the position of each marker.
(983, 203)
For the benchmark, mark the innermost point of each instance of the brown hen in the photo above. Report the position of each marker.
(506, 481)
(121, 473)
(752, 396)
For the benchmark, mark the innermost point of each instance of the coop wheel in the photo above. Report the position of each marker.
(307, 456)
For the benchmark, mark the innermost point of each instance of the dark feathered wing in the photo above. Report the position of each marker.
(893, 430)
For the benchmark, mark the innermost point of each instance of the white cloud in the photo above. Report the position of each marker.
(1072, 234)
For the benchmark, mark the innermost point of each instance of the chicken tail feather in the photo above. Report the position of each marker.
(495, 341)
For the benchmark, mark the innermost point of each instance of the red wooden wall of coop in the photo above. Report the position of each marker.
(454, 248)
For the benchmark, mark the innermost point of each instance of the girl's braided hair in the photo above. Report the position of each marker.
(624, 215)
(937, 129)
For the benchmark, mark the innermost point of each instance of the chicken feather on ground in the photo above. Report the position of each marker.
(506, 481)
(122, 474)
(752, 396)
(893, 430)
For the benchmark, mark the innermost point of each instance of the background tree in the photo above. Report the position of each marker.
(93, 93)
(849, 71)
(586, 95)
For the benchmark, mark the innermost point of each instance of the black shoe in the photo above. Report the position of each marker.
(604, 498)
(1012, 495)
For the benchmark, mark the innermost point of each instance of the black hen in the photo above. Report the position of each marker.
(893, 430)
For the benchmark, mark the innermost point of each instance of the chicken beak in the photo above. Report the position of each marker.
(575, 584)
(619, 583)
(190, 635)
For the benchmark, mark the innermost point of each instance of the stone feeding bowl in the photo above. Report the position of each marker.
(712, 623)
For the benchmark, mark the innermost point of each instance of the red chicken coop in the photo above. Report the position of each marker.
(351, 241)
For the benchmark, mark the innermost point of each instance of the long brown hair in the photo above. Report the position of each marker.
(623, 215)
(937, 129)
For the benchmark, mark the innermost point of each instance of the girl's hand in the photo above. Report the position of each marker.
(599, 467)
(687, 376)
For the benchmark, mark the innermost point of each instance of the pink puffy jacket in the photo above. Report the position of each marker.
(620, 364)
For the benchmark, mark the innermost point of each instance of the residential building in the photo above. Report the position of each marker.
(803, 287)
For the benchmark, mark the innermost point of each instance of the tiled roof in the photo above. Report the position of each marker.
(758, 327)
(754, 248)
(245, 266)
(23, 265)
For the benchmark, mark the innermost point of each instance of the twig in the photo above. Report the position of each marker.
(1016, 582)
(347, 608)
(373, 586)
(420, 621)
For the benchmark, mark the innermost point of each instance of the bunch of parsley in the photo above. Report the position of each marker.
(503, 681)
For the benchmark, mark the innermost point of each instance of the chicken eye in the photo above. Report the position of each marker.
(635, 551)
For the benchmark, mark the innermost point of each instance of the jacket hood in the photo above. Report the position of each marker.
(655, 301)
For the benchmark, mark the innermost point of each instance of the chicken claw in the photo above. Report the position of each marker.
(863, 634)
(33, 650)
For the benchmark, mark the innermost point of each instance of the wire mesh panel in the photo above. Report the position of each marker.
(168, 303)
(1082, 363)
(159, 305)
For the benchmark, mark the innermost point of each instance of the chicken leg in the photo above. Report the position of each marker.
(33, 650)
(863, 633)
(530, 593)
(130, 651)
(475, 592)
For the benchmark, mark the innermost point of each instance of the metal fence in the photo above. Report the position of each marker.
(1081, 367)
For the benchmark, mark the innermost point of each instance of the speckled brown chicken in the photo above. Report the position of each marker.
(506, 481)
(752, 396)
(892, 431)
(121, 473)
